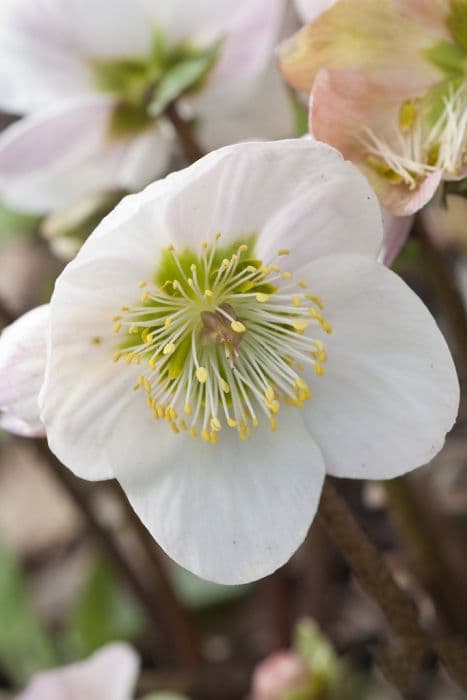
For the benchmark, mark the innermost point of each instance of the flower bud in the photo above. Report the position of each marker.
(279, 674)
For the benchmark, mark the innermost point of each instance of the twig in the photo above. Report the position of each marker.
(184, 131)
(444, 284)
(76, 493)
(179, 626)
(6, 316)
(428, 540)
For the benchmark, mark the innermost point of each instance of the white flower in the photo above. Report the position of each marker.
(85, 72)
(155, 335)
(22, 367)
(109, 674)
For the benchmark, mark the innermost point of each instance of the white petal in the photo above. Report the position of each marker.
(48, 45)
(309, 10)
(22, 368)
(297, 194)
(267, 114)
(232, 512)
(110, 673)
(390, 393)
(50, 159)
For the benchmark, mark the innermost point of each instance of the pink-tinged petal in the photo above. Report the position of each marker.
(22, 369)
(50, 159)
(432, 12)
(360, 34)
(308, 10)
(111, 674)
(48, 46)
(396, 231)
(279, 675)
(340, 104)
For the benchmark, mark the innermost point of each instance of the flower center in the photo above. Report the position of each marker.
(431, 135)
(222, 339)
(144, 86)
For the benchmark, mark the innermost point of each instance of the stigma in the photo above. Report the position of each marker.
(224, 340)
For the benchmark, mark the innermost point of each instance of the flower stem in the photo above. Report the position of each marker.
(6, 316)
(77, 494)
(444, 283)
(428, 542)
(179, 625)
(184, 131)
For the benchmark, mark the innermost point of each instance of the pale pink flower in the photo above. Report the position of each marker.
(281, 673)
(388, 89)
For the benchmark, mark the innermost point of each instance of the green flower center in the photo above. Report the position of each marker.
(222, 339)
(145, 86)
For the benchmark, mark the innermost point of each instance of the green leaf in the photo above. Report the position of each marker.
(196, 593)
(457, 22)
(14, 224)
(300, 116)
(184, 75)
(103, 613)
(449, 57)
(25, 646)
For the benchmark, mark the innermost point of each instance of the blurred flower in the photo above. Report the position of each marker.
(94, 78)
(156, 337)
(22, 367)
(388, 89)
(278, 675)
(311, 670)
(110, 673)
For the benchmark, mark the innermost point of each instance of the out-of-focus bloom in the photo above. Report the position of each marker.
(22, 367)
(388, 89)
(281, 673)
(110, 673)
(178, 367)
(94, 78)
(396, 231)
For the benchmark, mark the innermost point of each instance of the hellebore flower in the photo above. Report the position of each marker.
(110, 673)
(225, 337)
(389, 90)
(94, 78)
(22, 367)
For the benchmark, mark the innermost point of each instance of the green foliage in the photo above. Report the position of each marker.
(25, 646)
(300, 116)
(197, 594)
(449, 57)
(14, 224)
(185, 75)
(457, 22)
(103, 613)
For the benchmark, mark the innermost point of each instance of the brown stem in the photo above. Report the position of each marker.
(178, 624)
(372, 573)
(75, 491)
(184, 131)
(444, 283)
(6, 316)
(428, 541)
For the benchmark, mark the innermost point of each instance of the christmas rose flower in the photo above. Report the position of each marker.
(22, 367)
(110, 673)
(226, 337)
(388, 89)
(93, 79)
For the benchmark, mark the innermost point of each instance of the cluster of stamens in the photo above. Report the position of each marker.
(222, 340)
(417, 150)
